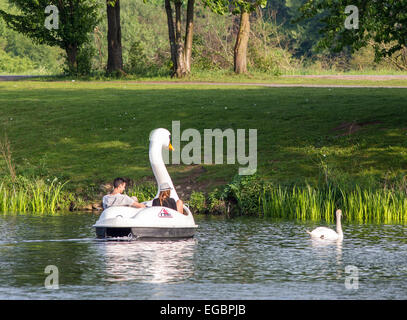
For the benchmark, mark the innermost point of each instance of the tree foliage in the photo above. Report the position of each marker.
(382, 24)
(234, 6)
(77, 19)
(243, 8)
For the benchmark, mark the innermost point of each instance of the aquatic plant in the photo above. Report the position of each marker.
(374, 204)
(359, 205)
(380, 206)
(303, 203)
(36, 195)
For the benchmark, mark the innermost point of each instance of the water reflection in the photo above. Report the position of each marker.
(148, 261)
(328, 251)
(233, 259)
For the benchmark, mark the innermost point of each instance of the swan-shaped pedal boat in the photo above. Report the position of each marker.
(150, 222)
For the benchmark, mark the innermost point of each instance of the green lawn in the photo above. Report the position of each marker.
(228, 76)
(91, 132)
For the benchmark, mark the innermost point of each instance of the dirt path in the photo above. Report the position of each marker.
(271, 85)
(14, 78)
(353, 77)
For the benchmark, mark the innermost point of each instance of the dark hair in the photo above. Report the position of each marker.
(117, 182)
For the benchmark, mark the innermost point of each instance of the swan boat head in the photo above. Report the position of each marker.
(161, 139)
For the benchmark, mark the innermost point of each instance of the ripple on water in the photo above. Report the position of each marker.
(236, 259)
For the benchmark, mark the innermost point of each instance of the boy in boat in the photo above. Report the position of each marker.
(164, 199)
(116, 198)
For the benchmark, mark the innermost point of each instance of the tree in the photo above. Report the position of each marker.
(180, 52)
(302, 36)
(359, 23)
(114, 37)
(76, 20)
(243, 8)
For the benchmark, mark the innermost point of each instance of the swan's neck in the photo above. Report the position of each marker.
(339, 226)
(159, 169)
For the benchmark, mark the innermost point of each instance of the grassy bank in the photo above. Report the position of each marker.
(91, 132)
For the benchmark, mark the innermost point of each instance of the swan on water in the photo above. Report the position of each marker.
(329, 234)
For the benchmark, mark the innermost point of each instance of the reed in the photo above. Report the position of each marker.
(378, 206)
(302, 203)
(24, 195)
(372, 204)
(359, 205)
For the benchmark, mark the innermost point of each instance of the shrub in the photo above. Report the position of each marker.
(144, 192)
(215, 202)
(84, 62)
(242, 195)
(197, 202)
(137, 61)
(10, 64)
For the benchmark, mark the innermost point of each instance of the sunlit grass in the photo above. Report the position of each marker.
(359, 205)
(91, 132)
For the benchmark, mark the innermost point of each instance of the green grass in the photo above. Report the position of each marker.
(24, 195)
(360, 206)
(91, 132)
(228, 76)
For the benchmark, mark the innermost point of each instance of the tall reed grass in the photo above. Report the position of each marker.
(359, 205)
(379, 204)
(25, 195)
(298, 203)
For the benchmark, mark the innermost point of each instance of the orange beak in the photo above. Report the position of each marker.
(171, 147)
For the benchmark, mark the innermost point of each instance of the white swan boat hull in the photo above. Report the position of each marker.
(146, 223)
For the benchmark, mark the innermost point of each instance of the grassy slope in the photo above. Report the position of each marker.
(93, 132)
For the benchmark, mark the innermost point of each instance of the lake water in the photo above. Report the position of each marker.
(227, 259)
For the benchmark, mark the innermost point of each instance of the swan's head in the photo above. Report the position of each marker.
(162, 137)
(339, 213)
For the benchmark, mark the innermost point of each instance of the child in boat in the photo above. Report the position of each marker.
(164, 199)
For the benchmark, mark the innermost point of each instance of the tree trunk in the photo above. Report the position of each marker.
(114, 38)
(242, 39)
(180, 71)
(171, 34)
(189, 33)
(72, 55)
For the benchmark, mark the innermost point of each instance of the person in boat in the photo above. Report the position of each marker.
(164, 199)
(117, 198)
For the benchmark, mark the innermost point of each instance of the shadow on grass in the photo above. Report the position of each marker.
(93, 132)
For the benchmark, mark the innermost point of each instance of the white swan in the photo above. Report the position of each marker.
(329, 234)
